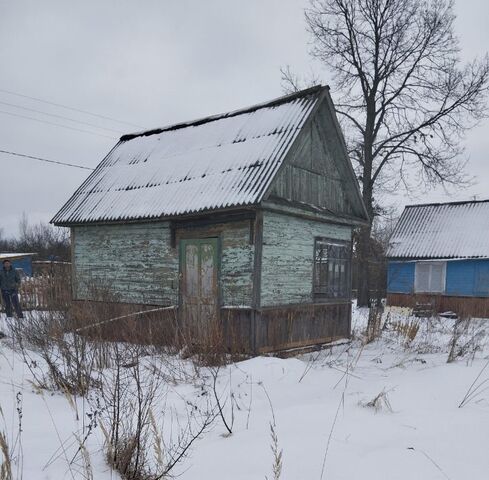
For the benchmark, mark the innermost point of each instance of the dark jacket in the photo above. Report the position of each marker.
(9, 279)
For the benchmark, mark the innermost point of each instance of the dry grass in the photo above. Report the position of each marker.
(406, 330)
(6, 465)
(277, 452)
(380, 403)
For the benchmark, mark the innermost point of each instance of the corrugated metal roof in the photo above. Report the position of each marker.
(444, 230)
(222, 161)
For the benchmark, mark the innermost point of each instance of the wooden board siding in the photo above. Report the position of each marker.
(463, 306)
(316, 171)
(284, 327)
(137, 263)
(236, 258)
(287, 257)
(468, 278)
(134, 261)
(400, 277)
(151, 328)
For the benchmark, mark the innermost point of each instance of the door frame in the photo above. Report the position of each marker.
(195, 238)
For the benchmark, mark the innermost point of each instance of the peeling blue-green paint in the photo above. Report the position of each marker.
(287, 256)
(137, 263)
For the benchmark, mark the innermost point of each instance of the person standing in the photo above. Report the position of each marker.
(9, 285)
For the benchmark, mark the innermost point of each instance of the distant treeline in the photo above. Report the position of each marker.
(47, 241)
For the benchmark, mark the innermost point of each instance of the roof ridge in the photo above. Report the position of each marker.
(435, 204)
(269, 103)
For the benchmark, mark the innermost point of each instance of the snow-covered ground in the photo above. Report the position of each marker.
(321, 404)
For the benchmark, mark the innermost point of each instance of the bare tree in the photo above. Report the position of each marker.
(403, 96)
(41, 238)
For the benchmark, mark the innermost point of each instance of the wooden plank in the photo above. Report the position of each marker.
(257, 272)
(73, 265)
(463, 306)
(289, 327)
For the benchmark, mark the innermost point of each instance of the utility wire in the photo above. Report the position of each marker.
(59, 116)
(55, 124)
(69, 108)
(46, 160)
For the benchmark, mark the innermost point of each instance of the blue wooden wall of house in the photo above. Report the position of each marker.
(464, 278)
(400, 277)
(468, 278)
(23, 263)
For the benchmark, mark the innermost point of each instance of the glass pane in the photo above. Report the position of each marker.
(422, 277)
(436, 283)
(332, 264)
(192, 270)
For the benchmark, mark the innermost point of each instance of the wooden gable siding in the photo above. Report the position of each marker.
(134, 261)
(287, 256)
(316, 173)
(137, 263)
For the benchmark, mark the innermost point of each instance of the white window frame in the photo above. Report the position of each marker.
(430, 289)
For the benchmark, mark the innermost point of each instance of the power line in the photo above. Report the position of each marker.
(46, 160)
(86, 112)
(59, 116)
(55, 124)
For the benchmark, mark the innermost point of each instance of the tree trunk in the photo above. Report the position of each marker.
(363, 297)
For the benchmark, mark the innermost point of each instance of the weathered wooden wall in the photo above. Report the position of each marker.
(134, 261)
(287, 257)
(463, 306)
(302, 325)
(285, 327)
(137, 263)
(316, 171)
(236, 258)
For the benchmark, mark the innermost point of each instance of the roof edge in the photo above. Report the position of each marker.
(460, 202)
(233, 113)
(441, 258)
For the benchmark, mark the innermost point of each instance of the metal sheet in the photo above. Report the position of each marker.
(219, 162)
(447, 230)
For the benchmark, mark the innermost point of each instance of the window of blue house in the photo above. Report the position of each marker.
(430, 277)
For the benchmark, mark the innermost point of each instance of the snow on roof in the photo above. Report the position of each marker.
(442, 230)
(227, 160)
(4, 256)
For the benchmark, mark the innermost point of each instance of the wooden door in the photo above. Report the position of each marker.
(199, 287)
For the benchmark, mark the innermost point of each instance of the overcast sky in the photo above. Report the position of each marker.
(151, 63)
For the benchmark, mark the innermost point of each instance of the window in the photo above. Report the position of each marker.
(332, 261)
(430, 277)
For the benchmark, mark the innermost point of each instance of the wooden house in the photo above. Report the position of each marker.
(243, 218)
(439, 254)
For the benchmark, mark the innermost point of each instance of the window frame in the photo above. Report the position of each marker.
(322, 296)
(431, 263)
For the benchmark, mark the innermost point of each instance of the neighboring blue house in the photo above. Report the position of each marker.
(439, 253)
(20, 261)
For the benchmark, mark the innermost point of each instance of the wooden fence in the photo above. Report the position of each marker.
(49, 290)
